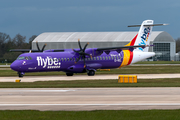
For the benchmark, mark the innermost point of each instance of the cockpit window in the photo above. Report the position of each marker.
(24, 58)
(21, 58)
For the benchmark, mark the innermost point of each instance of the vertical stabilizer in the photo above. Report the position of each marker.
(143, 36)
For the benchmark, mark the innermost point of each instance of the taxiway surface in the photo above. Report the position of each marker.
(83, 77)
(89, 98)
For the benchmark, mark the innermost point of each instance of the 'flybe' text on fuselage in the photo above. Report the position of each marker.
(48, 62)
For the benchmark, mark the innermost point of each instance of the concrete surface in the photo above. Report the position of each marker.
(89, 98)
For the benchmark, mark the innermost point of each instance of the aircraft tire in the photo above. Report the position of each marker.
(69, 74)
(91, 73)
(20, 75)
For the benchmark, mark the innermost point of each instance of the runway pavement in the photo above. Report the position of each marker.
(84, 77)
(89, 98)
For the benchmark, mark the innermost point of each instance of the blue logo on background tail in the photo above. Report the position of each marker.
(144, 37)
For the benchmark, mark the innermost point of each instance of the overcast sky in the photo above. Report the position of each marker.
(33, 17)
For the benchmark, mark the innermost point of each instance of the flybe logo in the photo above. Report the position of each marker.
(48, 62)
(144, 37)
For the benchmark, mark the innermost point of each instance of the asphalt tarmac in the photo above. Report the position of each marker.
(83, 77)
(78, 99)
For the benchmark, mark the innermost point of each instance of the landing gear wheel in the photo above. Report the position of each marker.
(91, 73)
(69, 74)
(20, 74)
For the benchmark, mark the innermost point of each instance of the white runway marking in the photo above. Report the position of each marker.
(143, 104)
(36, 90)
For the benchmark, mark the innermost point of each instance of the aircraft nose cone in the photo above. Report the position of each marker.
(14, 66)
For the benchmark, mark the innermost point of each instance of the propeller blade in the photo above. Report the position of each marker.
(85, 46)
(43, 47)
(79, 44)
(84, 63)
(37, 46)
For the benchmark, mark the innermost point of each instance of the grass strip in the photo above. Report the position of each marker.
(91, 115)
(166, 82)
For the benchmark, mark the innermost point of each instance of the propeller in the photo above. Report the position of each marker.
(82, 53)
(40, 50)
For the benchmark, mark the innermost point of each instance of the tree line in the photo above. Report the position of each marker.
(7, 43)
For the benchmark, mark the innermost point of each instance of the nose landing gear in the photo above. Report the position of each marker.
(20, 74)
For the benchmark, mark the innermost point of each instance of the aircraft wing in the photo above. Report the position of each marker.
(107, 50)
(121, 48)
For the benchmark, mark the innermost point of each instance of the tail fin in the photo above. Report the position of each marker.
(143, 36)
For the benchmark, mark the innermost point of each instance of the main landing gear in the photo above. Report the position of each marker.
(91, 73)
(69, 74)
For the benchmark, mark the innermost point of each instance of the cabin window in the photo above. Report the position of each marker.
(62, 59)
(100, 58)
(89, 59)
(94, 58)
(112, 57)
(85, 58)
(51, 59)
(55, 59)
(59, 59)
(109, 58)
(103, 58)
(70, 59)
(67, 59)
(97, 58)
(106, 58)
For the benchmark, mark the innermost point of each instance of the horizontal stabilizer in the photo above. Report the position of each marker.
(147, 25)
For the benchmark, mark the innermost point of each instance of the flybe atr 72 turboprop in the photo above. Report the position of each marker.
(86, 60)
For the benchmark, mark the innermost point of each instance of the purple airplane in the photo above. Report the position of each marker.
(88, 60)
